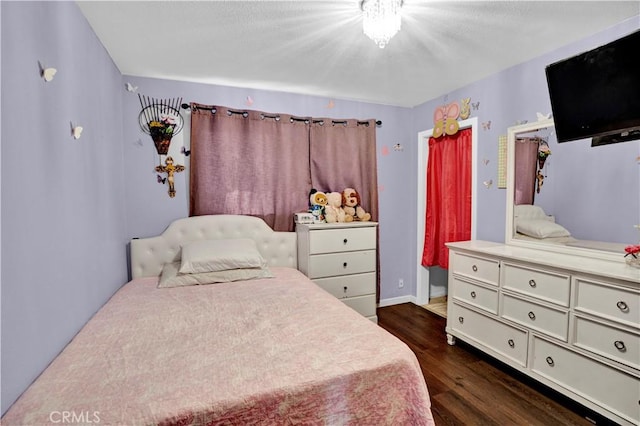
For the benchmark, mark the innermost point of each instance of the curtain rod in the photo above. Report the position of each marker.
(277, 117)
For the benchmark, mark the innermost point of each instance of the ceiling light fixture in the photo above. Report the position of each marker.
(381, 20)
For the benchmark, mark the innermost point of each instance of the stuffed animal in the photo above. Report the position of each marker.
(317, 203)
(352, 207)
(333, 211)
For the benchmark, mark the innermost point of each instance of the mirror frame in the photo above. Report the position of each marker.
(509, 238)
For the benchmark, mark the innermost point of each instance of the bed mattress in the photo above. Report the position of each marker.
(267, 351)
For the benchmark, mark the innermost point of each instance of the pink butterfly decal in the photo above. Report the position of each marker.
(249, 101)
(486, 125)
(445, 120)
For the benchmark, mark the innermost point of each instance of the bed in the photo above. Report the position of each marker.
(267, 350)
(533, 224)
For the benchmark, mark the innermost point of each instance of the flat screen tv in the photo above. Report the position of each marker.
(596, 94)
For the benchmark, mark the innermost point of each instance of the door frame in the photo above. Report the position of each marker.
(422, 273)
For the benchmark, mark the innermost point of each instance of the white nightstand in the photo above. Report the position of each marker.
(341, 258)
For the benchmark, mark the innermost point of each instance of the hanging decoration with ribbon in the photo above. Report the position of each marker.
(445, 120)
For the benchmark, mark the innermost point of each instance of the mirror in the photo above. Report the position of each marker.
(583, 200)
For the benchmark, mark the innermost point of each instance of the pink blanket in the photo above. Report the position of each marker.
(269, 351)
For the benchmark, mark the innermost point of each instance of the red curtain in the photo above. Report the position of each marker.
(448, 213)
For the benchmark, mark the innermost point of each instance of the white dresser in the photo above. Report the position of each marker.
(341, 258)
(569, 322)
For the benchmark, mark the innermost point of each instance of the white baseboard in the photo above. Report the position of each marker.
(397, 301)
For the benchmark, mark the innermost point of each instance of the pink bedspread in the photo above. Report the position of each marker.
(270, 351)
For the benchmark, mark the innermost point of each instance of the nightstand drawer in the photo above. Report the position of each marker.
(365, 305)
(611, 342)
(345, 286)
(546, 285)
(342, 239)
(615, 390)
(485, 270)
(508, 341)
(617, 304)
(478, 296)
(330, 265)
(554, 322)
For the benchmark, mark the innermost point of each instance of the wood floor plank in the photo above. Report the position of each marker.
(468, 387)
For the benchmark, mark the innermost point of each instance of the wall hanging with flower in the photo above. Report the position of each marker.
(543, 153)
(161, 119)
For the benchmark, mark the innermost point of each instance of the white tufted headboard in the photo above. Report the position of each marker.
(148, 255)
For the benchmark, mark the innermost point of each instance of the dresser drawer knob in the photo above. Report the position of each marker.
(461, 319)
(344, 241)
(473, 294)
(511, 343)
(531, 315)
(475, 268)
(532, 283)
(344, 265)
(622, 306)
(345, 288)
(619, 344)
(550, 361)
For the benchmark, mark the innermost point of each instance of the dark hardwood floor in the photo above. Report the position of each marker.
(468, 387)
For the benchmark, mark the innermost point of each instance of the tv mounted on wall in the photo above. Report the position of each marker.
(596, 94)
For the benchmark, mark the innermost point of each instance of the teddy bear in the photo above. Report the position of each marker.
(352, 207)
(333, 211)
(317, 204)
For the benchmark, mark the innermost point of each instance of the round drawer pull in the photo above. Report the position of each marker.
(619, 344)
(550, 361)
(532, 283)
(345, 288)
(531, 315)
(461, 319)
(344, 241)
(473, 294)
(344, 265)
(475, 268)
(511, 343)
(622, 306)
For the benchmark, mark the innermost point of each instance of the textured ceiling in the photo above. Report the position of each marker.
(318, 48)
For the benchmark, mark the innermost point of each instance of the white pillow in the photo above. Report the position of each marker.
(540, 228)
(220, 255)
(170, 276)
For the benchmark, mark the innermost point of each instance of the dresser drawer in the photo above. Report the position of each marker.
(614, 303)
(481, 269)
(365, 305)
(329, 265)
(504, 339)
(342, 239)
(551, 321)
(349, 285)
(478, 296)
(611, 342)
(612, 389)
(546, 285)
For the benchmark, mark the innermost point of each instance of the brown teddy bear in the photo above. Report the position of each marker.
(352, 207)
(333, 211)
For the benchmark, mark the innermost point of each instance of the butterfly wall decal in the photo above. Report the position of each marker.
(465, 108)
(47, 73)
(131, 88)
(445, 119)
(76, 131)
(519, 122)
(331, 104)
(486, 125)
(475, 105)
(248, 101)
(161, 179)
(185, 151)
(488, 183)
(542, 116)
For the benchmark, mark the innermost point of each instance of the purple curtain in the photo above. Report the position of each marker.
(343, 155)
(526, 163)
(249, 162)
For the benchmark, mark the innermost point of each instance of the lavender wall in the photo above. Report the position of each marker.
(69, 207)
(63, 216)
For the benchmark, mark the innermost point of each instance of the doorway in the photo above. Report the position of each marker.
(431, 282)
